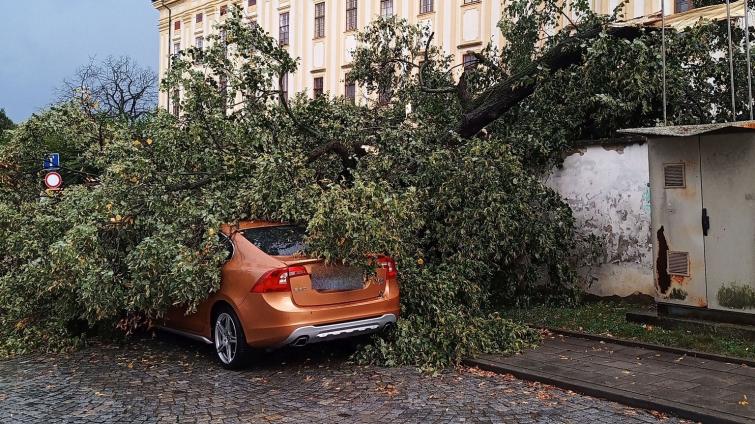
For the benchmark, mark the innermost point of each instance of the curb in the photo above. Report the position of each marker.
(652, 346)
(643, 317)
(624, 397)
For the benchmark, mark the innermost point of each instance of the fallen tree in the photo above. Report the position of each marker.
(440, 167)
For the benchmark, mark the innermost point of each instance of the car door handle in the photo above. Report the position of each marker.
(706, 222)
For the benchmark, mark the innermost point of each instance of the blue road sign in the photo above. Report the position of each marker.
(52, 161)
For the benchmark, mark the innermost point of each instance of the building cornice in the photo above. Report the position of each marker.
(159, 4)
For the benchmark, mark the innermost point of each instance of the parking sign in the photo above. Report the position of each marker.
(52, 162)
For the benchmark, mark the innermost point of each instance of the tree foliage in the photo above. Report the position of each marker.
(5, 122)
(442, 169)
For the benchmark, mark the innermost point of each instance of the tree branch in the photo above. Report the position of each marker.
(498, 99)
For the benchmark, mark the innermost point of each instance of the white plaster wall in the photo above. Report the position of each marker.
(607, 188)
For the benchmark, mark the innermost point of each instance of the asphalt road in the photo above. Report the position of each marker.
(170, 380)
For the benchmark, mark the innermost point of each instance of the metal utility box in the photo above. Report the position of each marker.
(702, 195)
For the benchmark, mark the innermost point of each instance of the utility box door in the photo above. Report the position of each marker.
(678, 245)
(728, 169)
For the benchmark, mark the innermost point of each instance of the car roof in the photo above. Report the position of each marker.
(247, 224)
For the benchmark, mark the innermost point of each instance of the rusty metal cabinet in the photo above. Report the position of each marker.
(702, 188)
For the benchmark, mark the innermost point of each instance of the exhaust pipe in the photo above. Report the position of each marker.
(301, 341)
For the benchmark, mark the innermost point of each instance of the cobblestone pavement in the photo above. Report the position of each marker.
(170, 380)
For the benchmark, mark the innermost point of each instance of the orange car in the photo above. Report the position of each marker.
(271, 296)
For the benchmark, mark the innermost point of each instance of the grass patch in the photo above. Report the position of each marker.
(607, 318)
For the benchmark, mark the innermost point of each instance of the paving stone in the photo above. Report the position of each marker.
(169, 381)
(699, 383)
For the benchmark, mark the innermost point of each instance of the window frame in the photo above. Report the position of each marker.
(350, 90)
(226, 241)
(386, 8)
(283, 86)
(318, 91)
(384, 96)
(223, 85)
(284, 41)
(686, 6)
(352, 15)
(176, 98)
(319, 28)
(426, 6)
(469, 64)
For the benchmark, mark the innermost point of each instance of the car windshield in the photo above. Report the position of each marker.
(286, 240)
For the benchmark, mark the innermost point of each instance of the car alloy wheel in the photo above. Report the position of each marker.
(226, 338)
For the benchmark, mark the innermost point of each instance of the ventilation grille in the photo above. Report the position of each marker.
(673, 175)
(678, 263)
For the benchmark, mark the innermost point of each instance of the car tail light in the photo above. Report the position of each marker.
(278, 280)
(389, 265)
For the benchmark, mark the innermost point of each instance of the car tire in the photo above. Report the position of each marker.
(228, 339)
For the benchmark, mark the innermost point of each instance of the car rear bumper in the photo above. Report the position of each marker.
(321, 333)
(272, 320)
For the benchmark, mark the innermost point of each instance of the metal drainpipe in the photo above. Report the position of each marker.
(749, 61)
(663, 57)
(170, 40)
(731, 62)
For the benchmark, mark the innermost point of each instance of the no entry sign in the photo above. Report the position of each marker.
(53, 180)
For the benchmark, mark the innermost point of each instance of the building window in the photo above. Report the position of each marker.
(386, 8)
(469, 60)
(224, 42)
(176, 48)
(252, 2)
(471, 1)
(223, 10)
(200, 18)
(176, 102)
(284, 87)
(319, 89)
(199, 44)
(223, 85)
(177, 25)
(350, 90)
(425, 6)
(683, 6)
(283, 29)
(351, 15)
(320, 20)
(384, 96)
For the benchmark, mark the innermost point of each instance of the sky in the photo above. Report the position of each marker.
(45, 41)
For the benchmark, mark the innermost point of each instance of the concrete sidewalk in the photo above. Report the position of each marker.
(698, 389)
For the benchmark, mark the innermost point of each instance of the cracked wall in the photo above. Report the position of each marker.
(607, 188)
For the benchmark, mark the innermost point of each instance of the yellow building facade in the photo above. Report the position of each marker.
(321, 33)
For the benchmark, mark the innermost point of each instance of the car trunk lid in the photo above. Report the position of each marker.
(328, 284)
(324, 284)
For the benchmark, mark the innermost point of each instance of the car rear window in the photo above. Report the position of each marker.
(286, 240)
